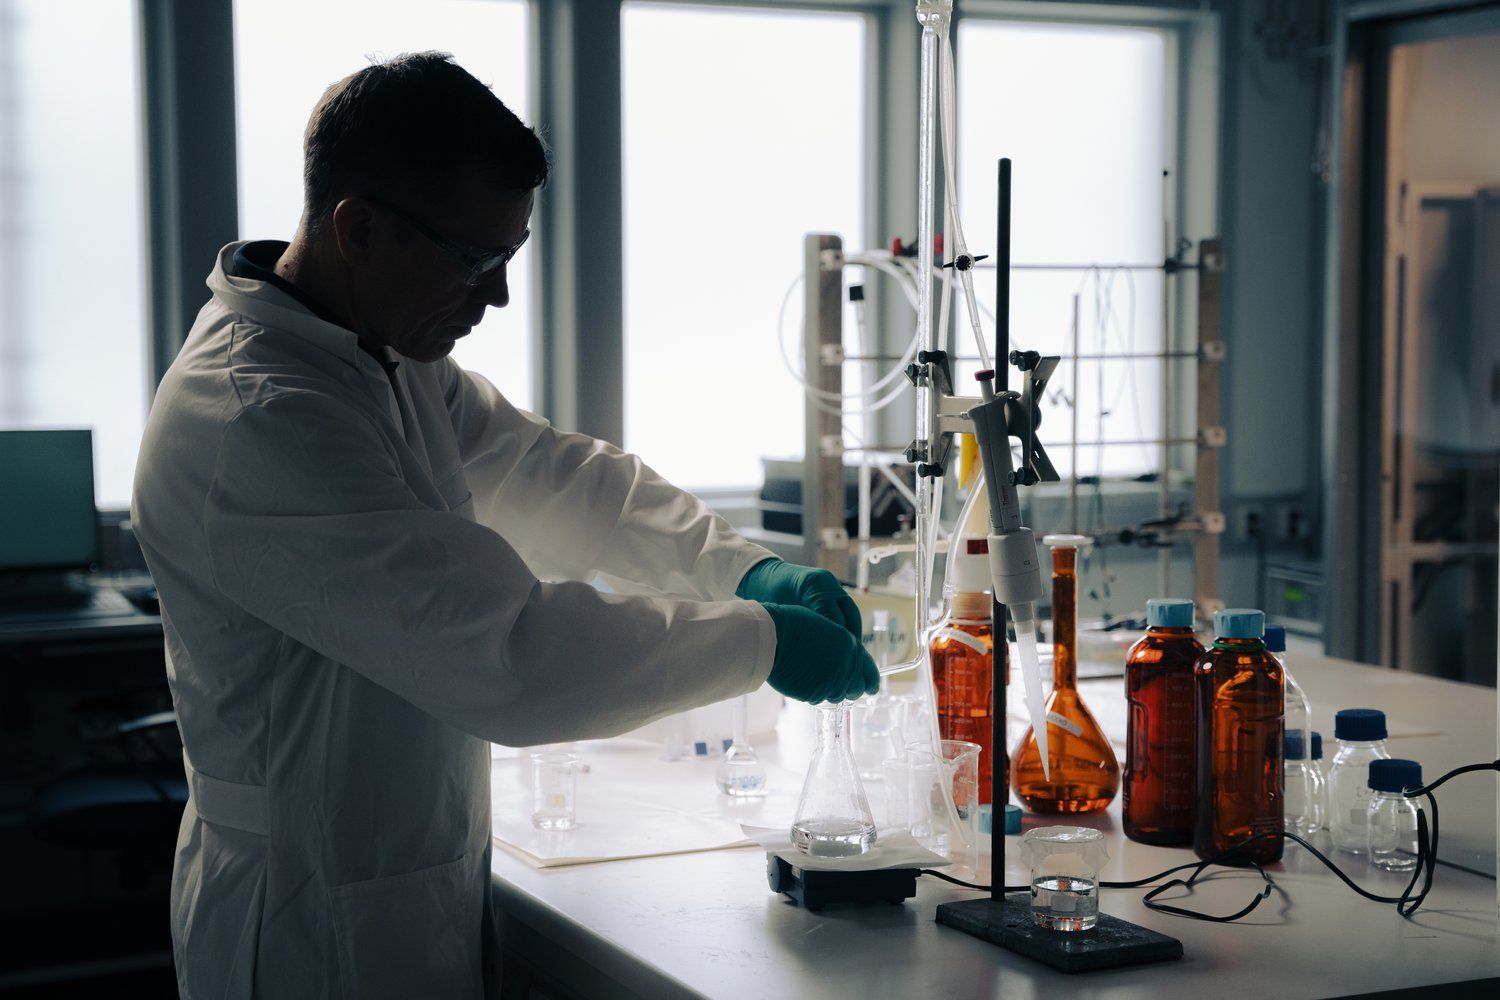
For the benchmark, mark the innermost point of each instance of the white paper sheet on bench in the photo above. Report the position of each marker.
(630, 804)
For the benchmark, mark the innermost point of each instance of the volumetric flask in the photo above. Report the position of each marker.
(1065, 863)
(833, 815)
(952, 831)
(554, 782)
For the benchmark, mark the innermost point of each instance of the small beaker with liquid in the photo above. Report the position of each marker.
(554, 786)
(1065, 863)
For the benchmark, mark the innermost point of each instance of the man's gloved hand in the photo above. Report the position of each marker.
(817, 660)
(772, 581)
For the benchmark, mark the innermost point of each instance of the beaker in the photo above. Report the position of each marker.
(952, 832)
(554, 783)
(896, 774)
(833, 816)
(1064, 863)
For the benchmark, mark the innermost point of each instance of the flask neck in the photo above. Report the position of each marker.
(833, 727)
(1064, 618)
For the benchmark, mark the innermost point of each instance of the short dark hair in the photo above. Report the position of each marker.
(403, 128)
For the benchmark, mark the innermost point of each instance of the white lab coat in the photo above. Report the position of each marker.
(352, 590)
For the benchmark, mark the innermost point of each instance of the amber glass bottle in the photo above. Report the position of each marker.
(1160, 761)
(1085, 773)
(1239, 731)
(962, 658)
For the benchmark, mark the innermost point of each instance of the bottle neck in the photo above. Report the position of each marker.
(1164, 632)
(1361, 744)
(1240, 645)
(1064, 618)
(970, 606)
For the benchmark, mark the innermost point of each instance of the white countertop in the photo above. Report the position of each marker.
(707, 924)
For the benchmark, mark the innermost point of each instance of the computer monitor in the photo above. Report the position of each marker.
(47, 516)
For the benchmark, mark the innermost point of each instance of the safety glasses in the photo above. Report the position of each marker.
(478, 266)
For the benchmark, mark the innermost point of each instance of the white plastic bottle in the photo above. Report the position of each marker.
(1361, 734)
(1391, 816)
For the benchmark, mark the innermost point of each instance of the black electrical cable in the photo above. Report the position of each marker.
(1406, 904)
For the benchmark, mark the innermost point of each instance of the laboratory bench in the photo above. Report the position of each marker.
(707, 925)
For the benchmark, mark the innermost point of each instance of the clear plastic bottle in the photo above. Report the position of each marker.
(1239, 719)
(1298, 708)
(1303, 788)
(1159, 803)
(1360, 733)
(963, 657)
(1315, 765)
(1391, 817)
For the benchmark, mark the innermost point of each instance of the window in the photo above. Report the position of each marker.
(73, 350)
(1089, 148)
(286, 54)
(722, 179)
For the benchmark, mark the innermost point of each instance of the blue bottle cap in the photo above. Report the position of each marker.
(1276, 638)
(1294, 745)
(1317, 745)
(1239, 623)
(1394, 775)
(1012, 819)
(1169, 612)
(1359, 725)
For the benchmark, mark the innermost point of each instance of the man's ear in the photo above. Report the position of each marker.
(354, 225)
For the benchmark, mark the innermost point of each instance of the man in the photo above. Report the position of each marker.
(370, 563)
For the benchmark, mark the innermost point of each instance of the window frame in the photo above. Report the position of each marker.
(577, 328)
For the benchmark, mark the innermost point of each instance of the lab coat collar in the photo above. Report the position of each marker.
(263, 303)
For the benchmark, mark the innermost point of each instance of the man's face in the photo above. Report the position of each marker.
(409, 293)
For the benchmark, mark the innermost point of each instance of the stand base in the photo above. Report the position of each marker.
(816, 889)
(1113, 943)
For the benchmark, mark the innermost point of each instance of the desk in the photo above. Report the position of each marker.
(706, 925)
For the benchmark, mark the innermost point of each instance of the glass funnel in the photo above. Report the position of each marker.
(1085, 774)
(833, 816)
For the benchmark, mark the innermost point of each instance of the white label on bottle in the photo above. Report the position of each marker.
(965, 638)
(1061, 722)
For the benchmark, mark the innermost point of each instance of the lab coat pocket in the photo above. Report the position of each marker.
(407, 935)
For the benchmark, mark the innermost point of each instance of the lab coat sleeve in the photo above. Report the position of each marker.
(574, 506)
(312, 529)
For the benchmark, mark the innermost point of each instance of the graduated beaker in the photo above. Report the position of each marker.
(1064, 863)
(949, 830)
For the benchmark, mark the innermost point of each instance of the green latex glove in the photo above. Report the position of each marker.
(775, 582)
(817, 660)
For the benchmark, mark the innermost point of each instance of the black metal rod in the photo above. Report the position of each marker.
(999, 658)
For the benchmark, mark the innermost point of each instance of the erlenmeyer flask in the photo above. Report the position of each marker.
(833, 816)
(1085, 772)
